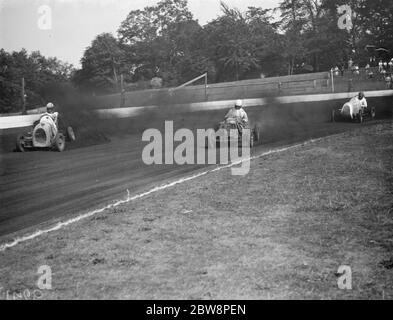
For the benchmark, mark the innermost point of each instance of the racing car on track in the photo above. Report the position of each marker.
(354, 110)
(41, 137)
(231, 129)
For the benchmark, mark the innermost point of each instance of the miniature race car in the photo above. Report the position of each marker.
(231, 129)
(41, 137)
(353, 112)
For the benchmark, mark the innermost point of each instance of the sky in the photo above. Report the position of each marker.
(65, 28)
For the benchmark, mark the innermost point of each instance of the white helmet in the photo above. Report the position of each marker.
(239, 103)
(50, 105)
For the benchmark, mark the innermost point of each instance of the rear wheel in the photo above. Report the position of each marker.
(333, 116)
(20, 143)
(59, 143)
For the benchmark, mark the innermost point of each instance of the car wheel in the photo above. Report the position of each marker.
(333, 116)
(373, 113)
(59, 143)
(70, 134)
(20, 143)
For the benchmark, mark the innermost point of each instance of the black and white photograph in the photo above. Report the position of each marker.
(210, 153)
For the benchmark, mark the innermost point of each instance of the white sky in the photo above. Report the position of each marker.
(75, 23)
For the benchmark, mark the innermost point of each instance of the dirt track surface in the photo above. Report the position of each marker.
(280, 232)
(43, 187)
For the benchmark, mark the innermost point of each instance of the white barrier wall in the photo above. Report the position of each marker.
(18, 121)
(129, 112)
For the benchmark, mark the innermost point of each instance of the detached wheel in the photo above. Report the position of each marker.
(20, 143)
(70, 134)
(373, 113)
(59, 144)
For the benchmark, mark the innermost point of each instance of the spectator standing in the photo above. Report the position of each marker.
(357, 70)
(380, 66)
(367, 67)
(350, 64)
(383, 73)
(342, 69)
(388, 80)
(336, 71)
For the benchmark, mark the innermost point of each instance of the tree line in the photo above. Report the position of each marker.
(166, 42)
(45, 79)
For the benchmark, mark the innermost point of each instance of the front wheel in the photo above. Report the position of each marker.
(20, 143)
(70, 134)
(59, 143)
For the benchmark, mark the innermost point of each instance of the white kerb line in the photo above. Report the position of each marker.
(63, 224)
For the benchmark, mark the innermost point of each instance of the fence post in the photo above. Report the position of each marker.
(206, 86)
(122, 97)
(332, 76)
(23, 96)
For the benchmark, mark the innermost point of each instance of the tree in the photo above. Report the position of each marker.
(102, 64)
(43, 78)
(230, 45)
(151, 22)
(157, 39)
(376, 23)
(293, 21)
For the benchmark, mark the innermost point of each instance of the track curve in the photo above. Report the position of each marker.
(41, 187)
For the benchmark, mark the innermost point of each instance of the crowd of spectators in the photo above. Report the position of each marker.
(382, 71)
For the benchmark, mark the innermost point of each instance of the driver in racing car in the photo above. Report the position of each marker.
(237, 113)
(356, 104)
(53, 116)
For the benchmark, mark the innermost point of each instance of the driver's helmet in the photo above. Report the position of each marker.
(50, 107)
(361, 95)
(239, 104)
